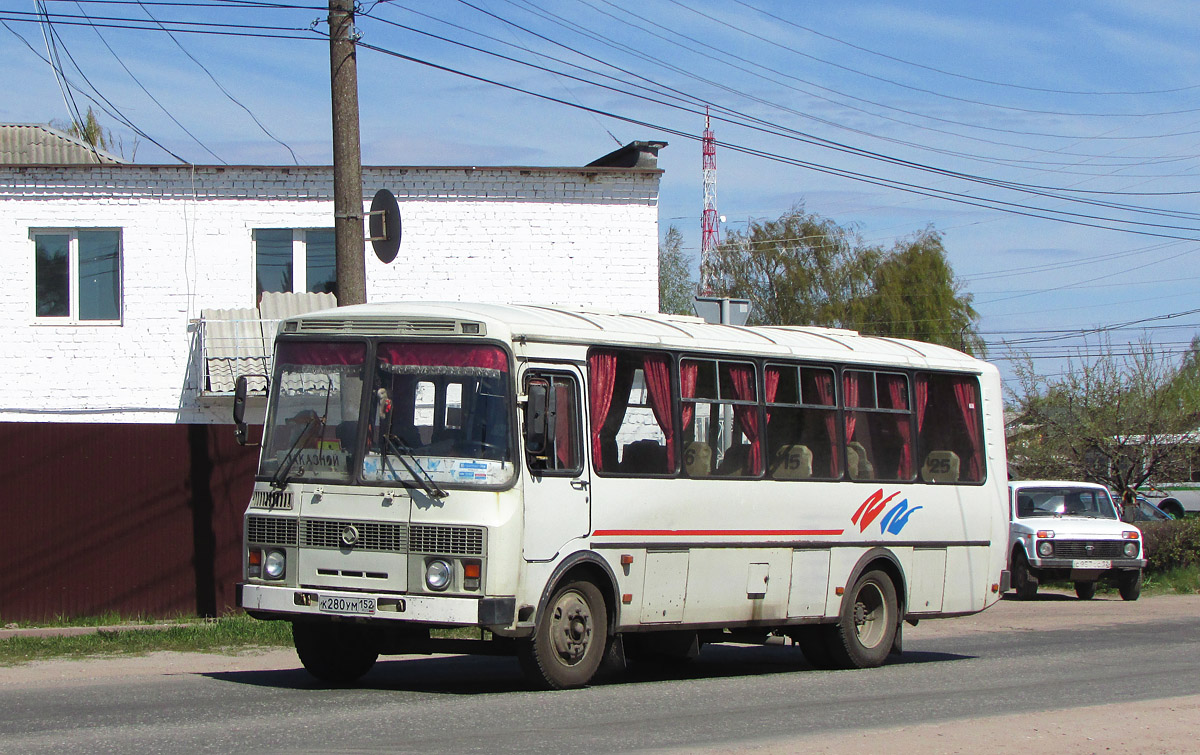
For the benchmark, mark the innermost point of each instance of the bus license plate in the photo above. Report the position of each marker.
(340, 604)
(1091, 564)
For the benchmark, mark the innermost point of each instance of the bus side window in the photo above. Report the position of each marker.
(562, 453)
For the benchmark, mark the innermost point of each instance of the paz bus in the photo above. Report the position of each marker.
(579, 488)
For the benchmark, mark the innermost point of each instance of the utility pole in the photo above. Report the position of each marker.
(347, 156)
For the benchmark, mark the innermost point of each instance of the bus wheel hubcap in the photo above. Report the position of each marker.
(571, 629)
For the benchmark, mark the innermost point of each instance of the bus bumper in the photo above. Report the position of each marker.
(291, 603)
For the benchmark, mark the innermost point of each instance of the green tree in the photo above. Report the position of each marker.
(1122, 420)
(915, 295)
(804, 269)
(91, 132)
(801, 269)
(675, 284)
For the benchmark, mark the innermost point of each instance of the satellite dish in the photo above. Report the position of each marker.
(383, 225)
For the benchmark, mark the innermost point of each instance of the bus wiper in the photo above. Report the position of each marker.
(406, 457)
(279, 480)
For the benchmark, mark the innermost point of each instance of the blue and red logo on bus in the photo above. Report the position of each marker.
(893, 520)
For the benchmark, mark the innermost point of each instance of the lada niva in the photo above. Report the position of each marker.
(1071, 532)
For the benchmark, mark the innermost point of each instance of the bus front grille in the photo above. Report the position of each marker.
(367, 536)
(448, 541)
(271, 530)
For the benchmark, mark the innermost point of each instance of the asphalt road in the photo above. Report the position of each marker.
(1055, 654)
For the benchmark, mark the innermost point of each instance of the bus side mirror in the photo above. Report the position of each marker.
(240, 388)
(535, 417)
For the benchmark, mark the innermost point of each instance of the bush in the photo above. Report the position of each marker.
(1171, 545)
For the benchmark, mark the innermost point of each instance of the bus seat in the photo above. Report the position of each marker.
(792, 462)
(644, 457)
(858, 466)
(940, 466)
(697, 459)
(735, 461)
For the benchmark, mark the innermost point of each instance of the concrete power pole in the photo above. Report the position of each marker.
(347, 156)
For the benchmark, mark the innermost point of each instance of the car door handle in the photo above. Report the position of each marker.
(579, 484)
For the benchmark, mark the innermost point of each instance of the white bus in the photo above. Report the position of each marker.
(585, 487)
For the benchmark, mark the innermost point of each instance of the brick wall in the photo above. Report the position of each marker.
(532, 235)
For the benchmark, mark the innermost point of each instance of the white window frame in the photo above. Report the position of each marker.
(72, 318)
(299, 253)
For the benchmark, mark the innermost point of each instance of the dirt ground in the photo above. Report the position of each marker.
(1158, 726)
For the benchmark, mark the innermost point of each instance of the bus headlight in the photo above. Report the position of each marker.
(1131, 550)
(274, 565)
(438, 574)
(1045, 548)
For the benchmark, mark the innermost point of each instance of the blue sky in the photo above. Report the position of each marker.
(1083, 111)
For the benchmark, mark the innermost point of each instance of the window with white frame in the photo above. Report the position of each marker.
(77, 274)
(295, 260)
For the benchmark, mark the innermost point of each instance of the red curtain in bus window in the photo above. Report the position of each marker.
(657, 369)
(966, 392)
(307, 352)
(742, 377)
(602, 380)
(564, 445)
(688, 373)
(850, 396)
(771, 388)
(444, 355)
(898, 394)
(922, 386)
(824, 383)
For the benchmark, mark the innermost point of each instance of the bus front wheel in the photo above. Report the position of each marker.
(570, 639)
(866, 628)
(334, 653)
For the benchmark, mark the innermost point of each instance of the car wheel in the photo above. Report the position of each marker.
(1130, 585)
(1023, 580)
(1085, 590)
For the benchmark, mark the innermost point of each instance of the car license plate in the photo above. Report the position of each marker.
(1081, 563)
(341, 604)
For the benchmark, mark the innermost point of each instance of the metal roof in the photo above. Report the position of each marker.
(550, 324)
(37, 144)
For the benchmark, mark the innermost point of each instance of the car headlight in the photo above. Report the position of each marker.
(1131, 550)
(438, 574)
(274, 565)
(1045, 548)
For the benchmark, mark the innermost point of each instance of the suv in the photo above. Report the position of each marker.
(1070, 531)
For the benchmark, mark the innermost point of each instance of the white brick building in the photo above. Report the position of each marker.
(193, 238)
(120, 456)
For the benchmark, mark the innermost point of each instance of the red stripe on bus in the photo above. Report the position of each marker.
(694, 533)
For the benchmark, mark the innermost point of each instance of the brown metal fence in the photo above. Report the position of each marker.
(136, 519)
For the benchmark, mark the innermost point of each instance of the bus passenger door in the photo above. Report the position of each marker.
(557, 484)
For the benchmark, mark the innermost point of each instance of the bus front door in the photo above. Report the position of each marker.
(557, 483)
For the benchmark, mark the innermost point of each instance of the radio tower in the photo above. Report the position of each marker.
(709, 232)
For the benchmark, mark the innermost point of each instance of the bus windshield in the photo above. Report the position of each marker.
(314, 418)
(439, 412)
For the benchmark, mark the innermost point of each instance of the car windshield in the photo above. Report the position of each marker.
(1064, 501)
(313, 426)
(439, 412)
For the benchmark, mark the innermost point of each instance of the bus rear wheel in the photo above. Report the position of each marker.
(570, 639)
(866, 628)
(334, 653)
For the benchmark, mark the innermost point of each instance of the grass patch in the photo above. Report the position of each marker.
(110, 618)
(1181, 580)
(228, 635)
